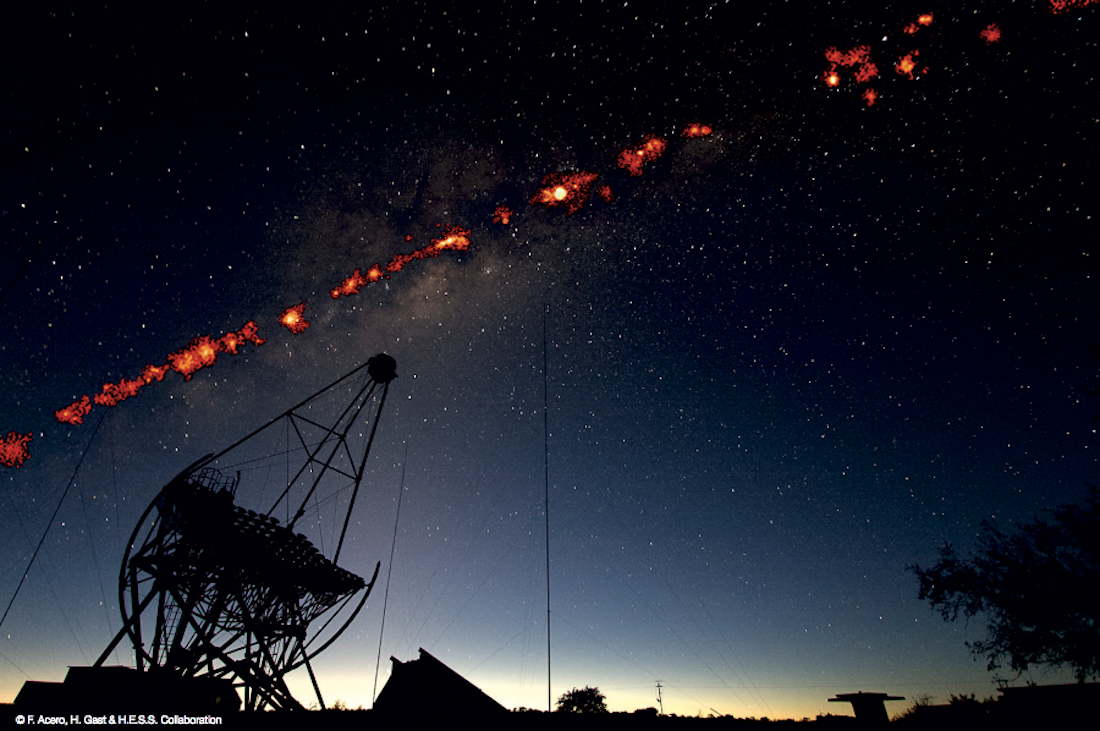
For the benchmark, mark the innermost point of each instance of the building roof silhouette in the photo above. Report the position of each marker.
(428, 687)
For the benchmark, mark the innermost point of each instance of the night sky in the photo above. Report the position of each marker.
(789, 359)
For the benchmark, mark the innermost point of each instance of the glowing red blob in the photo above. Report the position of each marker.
(201, 352)
(907, 64)
(13, 449)
(696, 129)
(250, 333)
(454, 238)
(152, 373)
(870, 96)
(860, 57)
(293, 318)
(569, 189)
(75, 412)
(604, 192)
(113, 393)
(1062, 6)
(633, 159)
(357, 281)
(502, 215)
(855, 57)
(349, 286)
(398, 262)
(991, 34)
(866, 72)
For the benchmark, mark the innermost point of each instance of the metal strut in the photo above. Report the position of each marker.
(208, 588)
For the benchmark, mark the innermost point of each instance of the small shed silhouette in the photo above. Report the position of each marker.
(123, 689)
(428, 687)
(1073, 705)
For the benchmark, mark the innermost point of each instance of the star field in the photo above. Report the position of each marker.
(784, 362)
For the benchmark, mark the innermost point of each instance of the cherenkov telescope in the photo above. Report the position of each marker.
(214, 595)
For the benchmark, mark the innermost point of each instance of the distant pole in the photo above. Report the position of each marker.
(546, 505)
(660, 702)
(389, 573)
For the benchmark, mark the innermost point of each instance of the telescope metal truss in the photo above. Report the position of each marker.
(208, 588)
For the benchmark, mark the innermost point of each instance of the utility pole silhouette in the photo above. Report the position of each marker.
(546, 505)
(660, 702)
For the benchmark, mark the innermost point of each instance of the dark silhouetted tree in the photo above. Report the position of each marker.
(583, 700)
(1035, 587)
(920, 701)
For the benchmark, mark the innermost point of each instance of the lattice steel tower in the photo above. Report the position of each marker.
(210, 589)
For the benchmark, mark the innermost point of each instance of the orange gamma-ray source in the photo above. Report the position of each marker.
(633, 159)
(250, 333)
(357, 281)
(855, 57)
(860, 57)
(925, 20)
(454, 238)
(991, 34)
(13, 449)
(907, 64)
(113, 393)
(75, 412)
(570, 189)
(199, 353)
(502, 215)
(866, 72)
(292, 318)
(870, 96)
(697, 129)
(1062, 6)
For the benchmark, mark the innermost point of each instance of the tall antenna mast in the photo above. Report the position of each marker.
(546, 505)
(389, 573)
